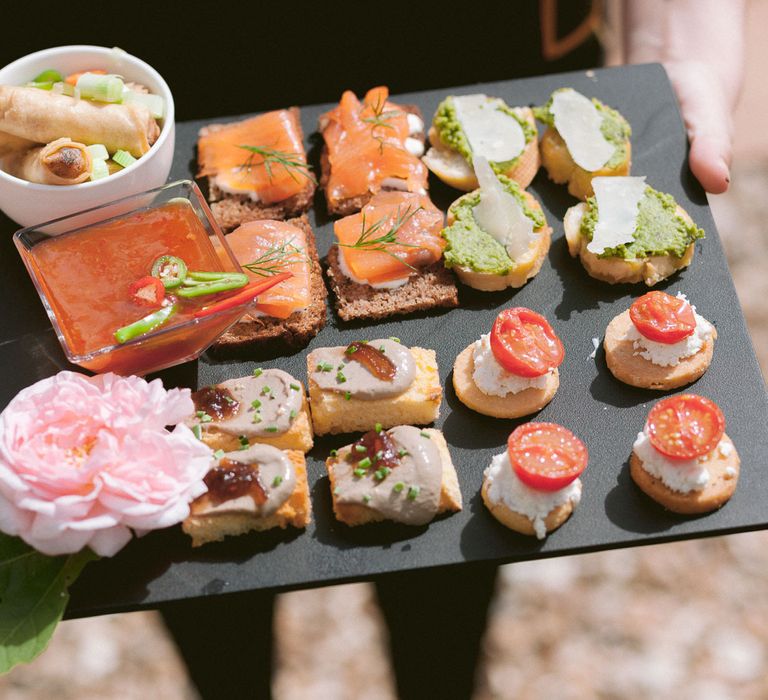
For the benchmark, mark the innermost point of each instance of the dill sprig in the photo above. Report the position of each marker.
(380, 119)
(275, 259)
(372, 238)
(292, 162)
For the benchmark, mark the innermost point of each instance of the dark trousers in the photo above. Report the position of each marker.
(435, 619)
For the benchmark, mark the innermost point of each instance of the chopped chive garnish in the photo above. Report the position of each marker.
(200, 414)
(258, 372)
(398, 487)
(396, 340)
(425, 434)
(359, 472)
(366, 498)
(277, 481)
(229, 400)
(380, 454)
(352, 348)
(218, 454)
(340, 378)
(255, 403)
(334, 453)
(324, 367)
(271, 428)
(295, 387)
(243, 440)
(197, 432)
(413, 492)
(378, 427)
(402, 453)
(365, 342)
(365, 462)
(347, 395)
(382, 348)
(382, 473)
(206, 419)
(256, 418)
(361, 448)
(265, 390)
(292, 415)
(337, 491)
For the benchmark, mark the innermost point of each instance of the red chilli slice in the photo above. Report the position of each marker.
(524, 343)
(546, 456)
(147, 291)
(685, 426)
(663, 318)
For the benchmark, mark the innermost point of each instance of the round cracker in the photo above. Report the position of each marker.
(635, 370)
(510, 406)
(522, 523)
(718, 490)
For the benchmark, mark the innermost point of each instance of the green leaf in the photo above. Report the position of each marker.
(33, 596)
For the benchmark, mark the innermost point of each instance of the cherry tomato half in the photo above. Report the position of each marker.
(546, 456)
(685, 426)
(524, 343)
(663, 318)
(147, 291)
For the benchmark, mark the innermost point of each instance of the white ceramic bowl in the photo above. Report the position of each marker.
(29, 203)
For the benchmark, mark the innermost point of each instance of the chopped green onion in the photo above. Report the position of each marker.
(334, 453)
(154, 103)
(295, 387)
(398, 487)
(365, 462)
(258, 372)
(101, 88)
(123, 158)
(255, 403)
(392, 337)
(366, 498)
(206, 419)
(361, 448)
(347, 395)
(402, 453)
(379, 455)
(425, 434)
(413, 492)
(340, 378)
(218, 454)
(265, 390)
(63, 88)
(352, 348)
(256, 418)
(197, 431)
(359, 472)
(229, 400)
(337, 491)
(292, 415)
(199, 414)
(244, 444)
(277, 481)
(48, 76)
(382, 348)
(98, 151)
(99, 169)
(378, 427)
(382, 473)
(271, 429)
(324, 367)
(146, 324)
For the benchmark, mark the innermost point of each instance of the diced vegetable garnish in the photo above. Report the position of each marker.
(98, 151)
(170, 270)
(123, 158)
(99, 169)
(64, 89)
(146, 324)
(72, 78)
(48, 76)
(147, 291)
(154, 103)
(102, 88)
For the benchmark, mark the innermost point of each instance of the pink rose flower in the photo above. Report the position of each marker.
(83, 460)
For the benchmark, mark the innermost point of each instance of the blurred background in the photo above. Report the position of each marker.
(686, 620)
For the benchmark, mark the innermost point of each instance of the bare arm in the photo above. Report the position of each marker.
(701, 44)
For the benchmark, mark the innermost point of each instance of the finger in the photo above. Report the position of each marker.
(709, 159)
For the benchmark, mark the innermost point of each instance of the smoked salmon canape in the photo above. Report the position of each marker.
(660, 342)
(256, 168)
(682, 458)
(388, 259)
(370, 145)
(513, 370)
(295, 312)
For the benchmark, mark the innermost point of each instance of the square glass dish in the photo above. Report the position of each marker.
(84, 265)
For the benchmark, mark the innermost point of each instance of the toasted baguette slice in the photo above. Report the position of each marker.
(296, 512)
(511, 406)
(450, 495)
(522, 523)
(557, 161)
(297, 437)
(525, 268)
(650, 270)
(635, 370)
(419, 405)
(723, 477)
(431, 287)
(345, 207)
(452, 168)
(296, 331)
(231, 210)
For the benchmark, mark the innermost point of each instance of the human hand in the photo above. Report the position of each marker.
(700, 43)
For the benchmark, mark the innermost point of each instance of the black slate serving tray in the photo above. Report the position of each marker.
(162, 566)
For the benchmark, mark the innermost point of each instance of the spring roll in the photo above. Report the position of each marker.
(43, 116)
(62, 162)
(9, 144)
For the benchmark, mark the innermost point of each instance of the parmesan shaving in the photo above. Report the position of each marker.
(578, 122)
(491, 133)
(618, 200)
(500, 214)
